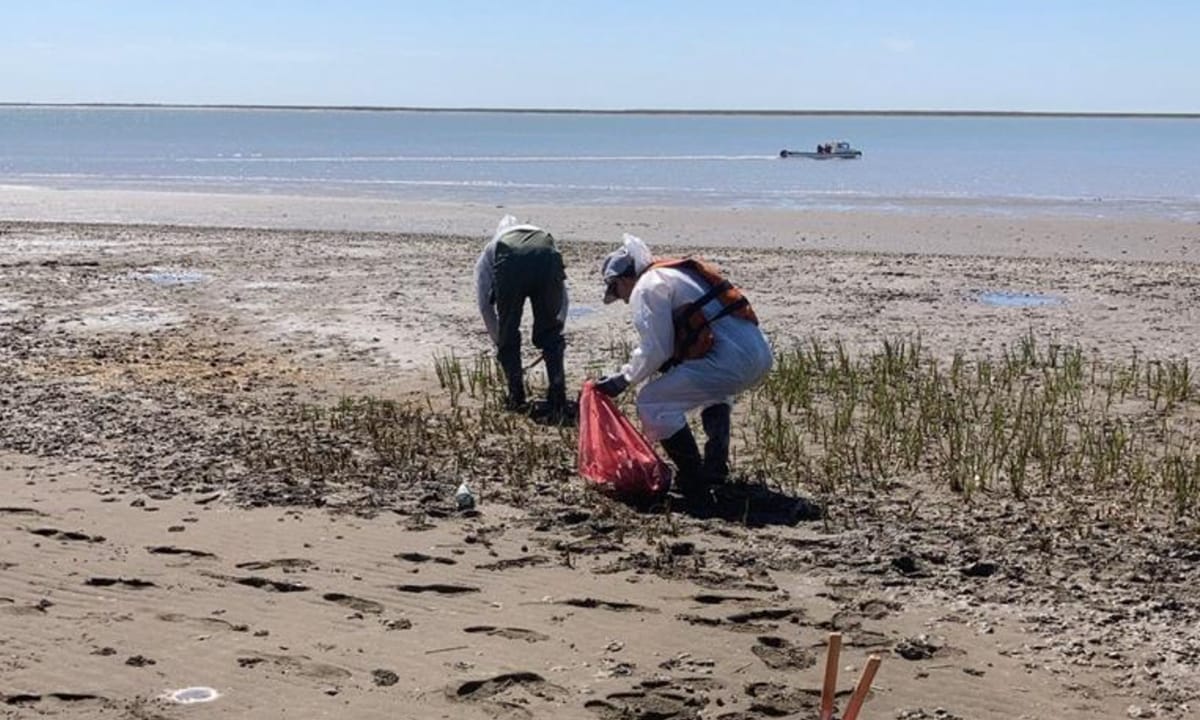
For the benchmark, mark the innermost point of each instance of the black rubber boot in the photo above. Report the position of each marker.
(515, 378)
(555, 410)
(716, 420)
(683, 451)
(556, 398)
(558, 410)
(556, 375)
(515, 401)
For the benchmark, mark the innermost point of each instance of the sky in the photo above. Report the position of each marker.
(980, 55)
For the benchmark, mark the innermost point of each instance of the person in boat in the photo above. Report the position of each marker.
(521, 262)
(700, 334)
(820, 149)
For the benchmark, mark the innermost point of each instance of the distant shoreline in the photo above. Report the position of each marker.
(628, 111)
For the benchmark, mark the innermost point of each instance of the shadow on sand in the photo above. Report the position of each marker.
(748, 504)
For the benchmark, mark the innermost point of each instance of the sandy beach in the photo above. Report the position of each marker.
(155, 347)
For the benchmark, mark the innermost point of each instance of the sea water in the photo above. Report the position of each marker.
(1009, 298)
(192, 695)
(1093, 166)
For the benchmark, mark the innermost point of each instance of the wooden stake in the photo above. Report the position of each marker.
(829, 689)
(864, 686)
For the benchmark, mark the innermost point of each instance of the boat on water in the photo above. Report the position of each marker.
(839, 150)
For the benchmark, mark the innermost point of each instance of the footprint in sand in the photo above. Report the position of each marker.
(508, 633)
(776, 700)
(753, 616)
(260, 583)
(700, 620)
(656, 700)
(438, 588)
(19, 699)
(851, 617)
(714, 599)
(70, 535)
(10, 510)
(208, 623)
(645, 706)
(520, 562)
(354, 603)
(754, 621)
(613, 605)
(780, 654)
(140, 661)
(133, 583)
(269, 584)
(924, 647)
(384, 677)
(285, 564)
(293, 665)
(764, 619)
(497, 691)
(683, 684)
(416, 557)
(866, 639)
(173, 550)
(10, 607)
(483, 689)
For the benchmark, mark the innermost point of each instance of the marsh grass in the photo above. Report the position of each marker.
(389, 448)
(1042, 418)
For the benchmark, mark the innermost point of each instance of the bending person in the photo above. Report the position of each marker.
(522, 263)
(700, 333)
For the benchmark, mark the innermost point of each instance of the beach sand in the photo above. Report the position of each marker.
(144, 336)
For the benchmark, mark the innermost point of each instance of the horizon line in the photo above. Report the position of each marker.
(587, 111)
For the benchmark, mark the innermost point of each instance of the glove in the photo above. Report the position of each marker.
(612, 385)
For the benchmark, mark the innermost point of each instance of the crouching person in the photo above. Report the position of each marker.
(700, 333)
(522, 263)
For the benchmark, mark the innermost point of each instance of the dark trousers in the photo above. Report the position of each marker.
(529, 267)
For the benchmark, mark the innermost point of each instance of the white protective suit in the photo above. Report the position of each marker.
(739, 359)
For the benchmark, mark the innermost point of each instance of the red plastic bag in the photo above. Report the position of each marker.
(613, 454)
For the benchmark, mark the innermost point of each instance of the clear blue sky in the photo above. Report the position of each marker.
(1050, 55)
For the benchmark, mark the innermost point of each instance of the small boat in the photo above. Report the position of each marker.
(839, 150)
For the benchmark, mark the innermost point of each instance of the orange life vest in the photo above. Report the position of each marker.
(693, 335)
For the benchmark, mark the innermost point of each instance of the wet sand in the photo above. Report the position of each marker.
(141, 553)
(918, 229)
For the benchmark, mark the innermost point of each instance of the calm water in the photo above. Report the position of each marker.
(1088, 166)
